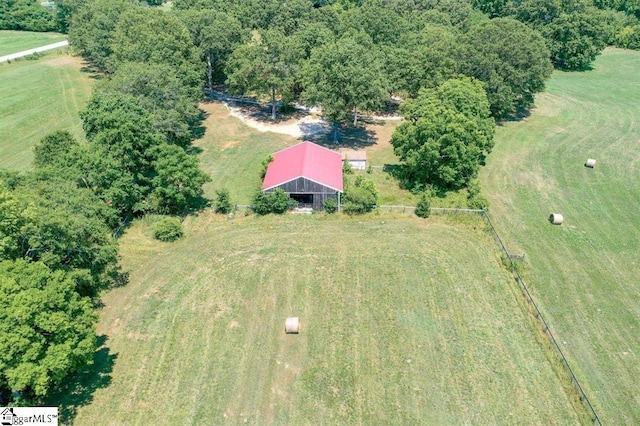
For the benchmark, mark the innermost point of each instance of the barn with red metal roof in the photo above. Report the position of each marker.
(309, 173)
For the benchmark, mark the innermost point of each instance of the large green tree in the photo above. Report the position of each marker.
(152, 36)
(268, 65)
(511, 59)
(47, 331)
(216, 34)
(446, 136)
(172, 107)
(575, 31)
(346, 77)
(422, 58)
(92, 26)
(178, 179)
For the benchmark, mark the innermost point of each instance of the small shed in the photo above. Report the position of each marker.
(309, 173)
(356, 159)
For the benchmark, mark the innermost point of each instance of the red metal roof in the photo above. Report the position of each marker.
(306, 160)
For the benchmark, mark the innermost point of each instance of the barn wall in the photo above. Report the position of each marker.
(305, 186)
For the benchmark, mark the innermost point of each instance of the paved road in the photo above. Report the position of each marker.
(32, 51)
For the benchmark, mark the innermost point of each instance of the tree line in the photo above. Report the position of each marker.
(57, 248)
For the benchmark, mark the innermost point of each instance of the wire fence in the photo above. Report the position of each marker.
(525, 290)
(523, 286)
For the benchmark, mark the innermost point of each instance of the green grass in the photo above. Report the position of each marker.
(39, 97)
(17, 41)
(585, 272)
(403, 321)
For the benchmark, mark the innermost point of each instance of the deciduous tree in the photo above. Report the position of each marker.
(447, 135)
(511, 59)
(268, 65)
(345, 77)
(47, 331)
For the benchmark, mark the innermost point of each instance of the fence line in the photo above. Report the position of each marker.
(525, 290)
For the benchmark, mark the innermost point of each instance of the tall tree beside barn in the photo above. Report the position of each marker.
(346, 78)
(447, 134)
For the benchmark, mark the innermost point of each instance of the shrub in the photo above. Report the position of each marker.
(222, 203)
(346, 168)
(265, 166)
(276, 202)
(423, 208)
(330, 205)
(475, 198)
(168, 229)
(360, 196)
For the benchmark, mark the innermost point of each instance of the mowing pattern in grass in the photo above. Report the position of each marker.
(403, 321)
(17, 41)
(39, 97)
(585, 272)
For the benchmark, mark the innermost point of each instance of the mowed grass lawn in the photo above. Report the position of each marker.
(39, 97)
(585, 272)
(403, 321)
(17, 41)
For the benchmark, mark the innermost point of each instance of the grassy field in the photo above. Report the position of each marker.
(17, 41)
(585, 272)
(38, 97)
(393, 329)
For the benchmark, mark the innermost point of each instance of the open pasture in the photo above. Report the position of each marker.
(584, 273)
(39, 97)
(403, 321)
(17, 41)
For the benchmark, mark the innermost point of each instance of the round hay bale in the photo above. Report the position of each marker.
(591, 163)
(292, 325)
(556, 218)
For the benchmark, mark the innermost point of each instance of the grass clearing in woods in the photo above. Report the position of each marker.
(583, 273)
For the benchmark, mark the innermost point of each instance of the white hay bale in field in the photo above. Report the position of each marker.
(591, 163)
(556, 218)
(292, 325)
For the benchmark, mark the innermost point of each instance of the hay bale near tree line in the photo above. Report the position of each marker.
(292, 325)
(556, 218)
(591, 163)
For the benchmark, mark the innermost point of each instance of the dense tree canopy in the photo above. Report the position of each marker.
(151, 36)
(448, 133)
(172, 106)
(346, 77)
(46, 329)
(511, 59)
(269, 64)
(215, 33)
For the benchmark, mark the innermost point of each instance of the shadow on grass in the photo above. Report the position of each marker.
(198, 130)
(349, 136)
(517, 116)
(262, 113)
(77, 391)
(197, 205)
(90, 68)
